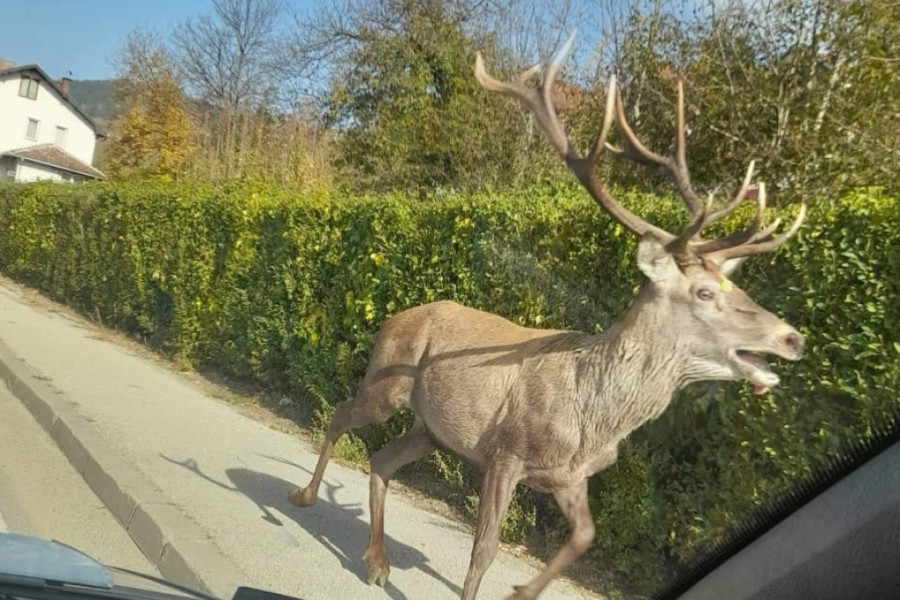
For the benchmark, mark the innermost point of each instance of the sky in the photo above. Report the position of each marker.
(84, 36)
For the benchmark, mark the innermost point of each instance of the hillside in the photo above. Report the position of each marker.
(95, 96)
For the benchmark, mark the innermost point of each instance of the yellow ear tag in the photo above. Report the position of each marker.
(725, 284)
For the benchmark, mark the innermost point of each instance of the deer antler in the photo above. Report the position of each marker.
(539, 102)
(749, 241)
(676, 163)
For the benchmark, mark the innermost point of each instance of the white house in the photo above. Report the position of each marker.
(43, 133)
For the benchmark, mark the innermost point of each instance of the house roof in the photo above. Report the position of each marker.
(99, 131)
(54, 156)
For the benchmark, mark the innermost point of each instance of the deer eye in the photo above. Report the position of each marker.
(706, 294)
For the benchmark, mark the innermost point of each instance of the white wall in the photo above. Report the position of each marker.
(50, 110)
(35, 172)
(29, 171)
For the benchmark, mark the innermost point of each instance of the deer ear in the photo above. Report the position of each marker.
(731, 265)
(654, 260)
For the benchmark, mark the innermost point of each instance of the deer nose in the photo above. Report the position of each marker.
(794, 342)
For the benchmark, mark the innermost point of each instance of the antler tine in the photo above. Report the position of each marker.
(756, 245)
(761, 235)
(738, 197)
(680, 244)
(767, 231)
(739, 237)
(608, 115)
(539, 102)
(676, 164)
(634, 149)
(680, 151)
(524, 76)
(680, 174)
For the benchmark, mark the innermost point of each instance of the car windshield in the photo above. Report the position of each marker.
(310, 295)
(779, 505)
(37, 569)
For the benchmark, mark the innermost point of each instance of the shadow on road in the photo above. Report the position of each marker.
(338, 527)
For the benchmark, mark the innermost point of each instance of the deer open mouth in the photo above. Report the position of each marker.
(755, 369)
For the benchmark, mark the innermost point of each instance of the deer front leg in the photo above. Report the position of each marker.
(383, 464)
(574, 503)
(496, 493)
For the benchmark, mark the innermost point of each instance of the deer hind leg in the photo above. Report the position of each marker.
(574, 503)
(496, 493)
(341, 421)
(384, 463)
(373, 404)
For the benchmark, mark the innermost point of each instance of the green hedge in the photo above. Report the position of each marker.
(288, 292)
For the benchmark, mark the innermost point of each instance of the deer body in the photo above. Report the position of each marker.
(548, 408)
(482, 385)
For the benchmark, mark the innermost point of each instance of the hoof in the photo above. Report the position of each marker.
(522, 593)
(302, 497)
(377, 576)
(378, 571)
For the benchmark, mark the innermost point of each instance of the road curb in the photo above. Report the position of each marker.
(172, 542)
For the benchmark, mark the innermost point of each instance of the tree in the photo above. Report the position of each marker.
(231, 66)
(794, 84)
(401, 103)
(402, 98)
(230, 59)
(152, 135)
(856, 122)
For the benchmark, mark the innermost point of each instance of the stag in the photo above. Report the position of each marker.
(548, 408)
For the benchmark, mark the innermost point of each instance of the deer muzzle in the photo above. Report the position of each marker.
(794, 344)
(788, 343)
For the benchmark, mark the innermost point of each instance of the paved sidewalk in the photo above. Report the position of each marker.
(202, 489)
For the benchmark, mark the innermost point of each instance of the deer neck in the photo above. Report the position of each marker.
(634, 368)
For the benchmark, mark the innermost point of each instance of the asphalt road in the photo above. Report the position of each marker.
(42, 495)
(204, 488)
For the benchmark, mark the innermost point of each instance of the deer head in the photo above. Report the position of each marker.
(688, 284)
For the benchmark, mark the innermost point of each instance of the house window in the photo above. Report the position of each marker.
(61, 134)
(32, 132)
(28, 87)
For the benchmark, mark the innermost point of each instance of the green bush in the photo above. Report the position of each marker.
(289, 291)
